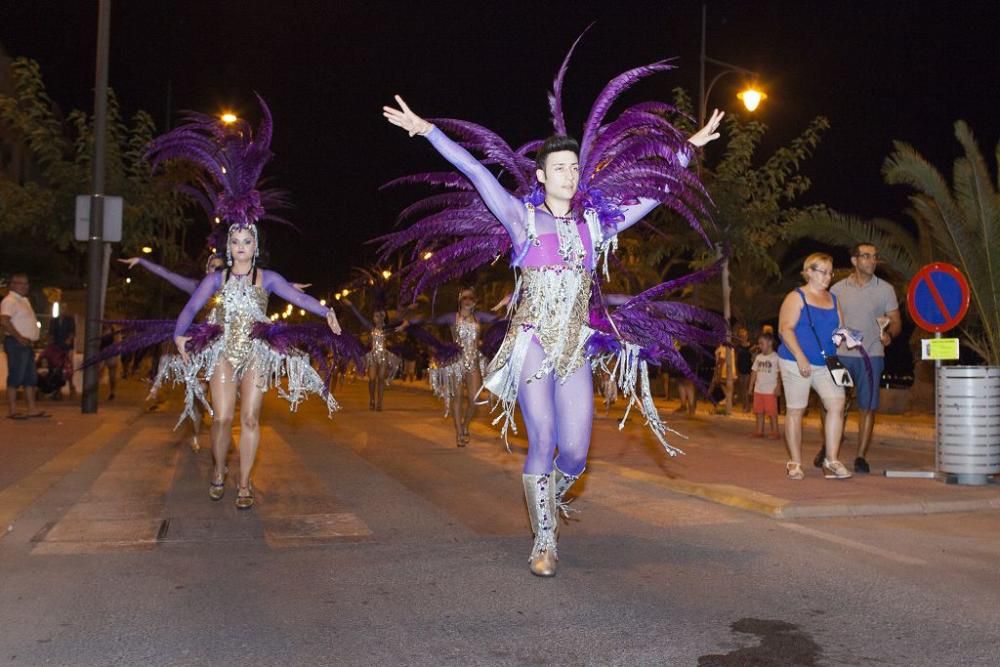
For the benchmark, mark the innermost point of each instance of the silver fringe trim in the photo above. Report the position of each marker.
(631, 374)
(271, 366)
(445, 380)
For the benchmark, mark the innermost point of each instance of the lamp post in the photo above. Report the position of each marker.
(751, 99)
(96, 248)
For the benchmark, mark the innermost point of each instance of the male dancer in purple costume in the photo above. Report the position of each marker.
(543, 353)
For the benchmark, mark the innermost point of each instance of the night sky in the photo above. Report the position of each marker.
(879, 70)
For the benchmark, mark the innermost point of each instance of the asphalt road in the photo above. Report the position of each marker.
(375, 541)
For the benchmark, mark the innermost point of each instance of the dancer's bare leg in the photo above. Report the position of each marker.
(473, 381)
(251, 396)
(458, 411)
(223, 389)
(372, 381)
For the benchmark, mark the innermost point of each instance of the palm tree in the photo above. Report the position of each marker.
(963, 222)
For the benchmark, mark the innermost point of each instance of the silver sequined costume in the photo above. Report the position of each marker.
(446, 380)
(237, 307)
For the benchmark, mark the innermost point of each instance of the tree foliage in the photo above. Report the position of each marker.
(41, 211)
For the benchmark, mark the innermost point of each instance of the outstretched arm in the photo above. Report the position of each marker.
(180, 282)
(275, 283)
(199, 297)
(365, 322)
(637, 212)
(507, 208)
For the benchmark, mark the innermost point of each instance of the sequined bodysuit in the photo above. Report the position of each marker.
(466, 334)
(238, 305)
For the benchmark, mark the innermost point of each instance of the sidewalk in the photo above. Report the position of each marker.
(725, 465)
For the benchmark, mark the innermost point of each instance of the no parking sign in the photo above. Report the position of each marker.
(938, 297)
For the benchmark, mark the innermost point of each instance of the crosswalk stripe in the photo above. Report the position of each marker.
(21, 495)
(123, 509)
(297, 507)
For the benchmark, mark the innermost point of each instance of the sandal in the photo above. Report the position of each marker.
(794, 471)
(17, 415)
(37, 415)
(244, 502)
(218, 489)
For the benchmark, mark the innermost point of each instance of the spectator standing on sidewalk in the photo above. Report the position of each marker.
(744, 367)
(809, 315)
(765, 383)
(20, 328)
(869, 304)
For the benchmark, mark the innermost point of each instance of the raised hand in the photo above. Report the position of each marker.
(131, 261)
(331, 320)
(181, 343)
(405, 118)
(710, 131)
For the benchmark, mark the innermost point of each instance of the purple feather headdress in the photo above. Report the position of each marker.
(638, 154)
(230, 158)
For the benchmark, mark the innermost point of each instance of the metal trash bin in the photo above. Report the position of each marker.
(968, 422)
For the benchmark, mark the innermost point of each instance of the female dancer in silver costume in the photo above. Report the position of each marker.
(458, 383)
(381, 365)
(239, 351)
(239, 363)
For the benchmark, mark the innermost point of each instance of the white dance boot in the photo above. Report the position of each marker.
(540, 496)
(563, 483)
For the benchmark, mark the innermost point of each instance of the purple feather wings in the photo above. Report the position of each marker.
(655, 326)
(635, 155)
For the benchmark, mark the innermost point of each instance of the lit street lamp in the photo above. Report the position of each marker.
(751, 98)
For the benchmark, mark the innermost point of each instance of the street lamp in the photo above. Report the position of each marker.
(387, 274)
(751, 98)
(146, 249)
(228, 118)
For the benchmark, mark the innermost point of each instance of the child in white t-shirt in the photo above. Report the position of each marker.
(765, 383)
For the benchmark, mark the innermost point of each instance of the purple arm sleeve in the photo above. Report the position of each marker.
(274, 283)
(206, 288)
(180, 282)
(506, 207)
(361, 318)
(637, 212)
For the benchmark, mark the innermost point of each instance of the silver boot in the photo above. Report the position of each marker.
(563, 483)
(540, 496)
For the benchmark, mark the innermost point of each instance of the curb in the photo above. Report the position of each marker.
(780, 509)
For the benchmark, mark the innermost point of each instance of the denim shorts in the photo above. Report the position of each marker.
(20, 364)
(865, 387)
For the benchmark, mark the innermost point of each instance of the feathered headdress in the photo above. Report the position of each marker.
(230, 158)
(635, 155)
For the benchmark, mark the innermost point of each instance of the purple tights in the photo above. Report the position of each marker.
(556, 415)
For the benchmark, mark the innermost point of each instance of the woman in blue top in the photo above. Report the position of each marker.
(809, 315)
